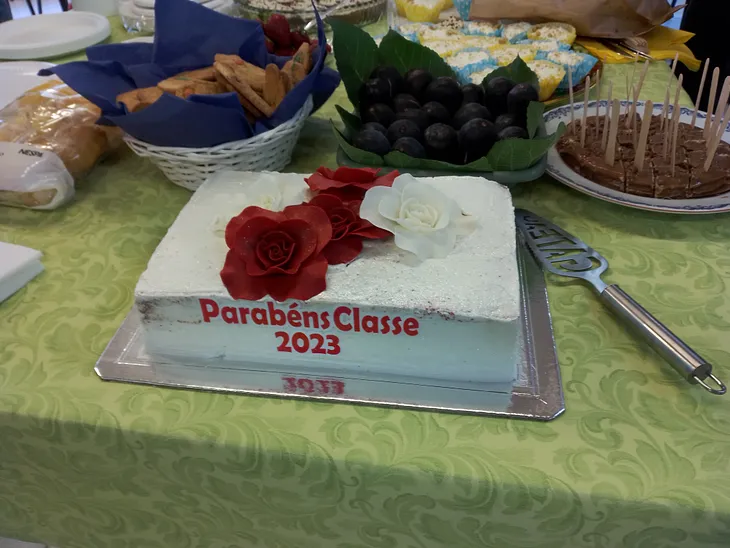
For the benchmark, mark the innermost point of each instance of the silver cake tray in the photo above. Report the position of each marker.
(537, 393)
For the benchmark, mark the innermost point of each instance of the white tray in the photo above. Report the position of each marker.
(537, 394)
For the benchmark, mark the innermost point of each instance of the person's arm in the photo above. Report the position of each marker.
(5, 13)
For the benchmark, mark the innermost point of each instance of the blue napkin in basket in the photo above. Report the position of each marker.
(187, 37)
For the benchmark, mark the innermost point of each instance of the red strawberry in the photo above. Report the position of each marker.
(315, 43)
(299, 38)
(270, 46)
(277, 29)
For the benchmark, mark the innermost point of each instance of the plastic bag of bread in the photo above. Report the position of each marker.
(48, 140)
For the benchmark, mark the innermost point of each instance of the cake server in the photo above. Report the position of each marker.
(565, 255)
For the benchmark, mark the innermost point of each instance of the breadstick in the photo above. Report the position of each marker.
(716, 140)
(699, 93)
(711, 103)
(611, 150)
(641, 147)
(585, 112)
(570, 94)
(607, 117)
(724, 95)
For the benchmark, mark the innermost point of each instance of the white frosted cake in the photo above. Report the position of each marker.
(386, 313)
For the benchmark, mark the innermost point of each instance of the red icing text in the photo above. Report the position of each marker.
(343, 318)
(313, 387)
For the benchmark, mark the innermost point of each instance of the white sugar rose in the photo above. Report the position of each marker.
(424, 221)
(266, 191)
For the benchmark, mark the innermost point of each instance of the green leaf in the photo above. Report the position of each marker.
(355, 154)
(404, 55)
(516, 154)
(400, 160)
(517, 71)
(535, 111)
(356, 54)
(352, 122)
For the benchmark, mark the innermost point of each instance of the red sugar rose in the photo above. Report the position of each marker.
(277, 254)
(348, 229)
(356, 182)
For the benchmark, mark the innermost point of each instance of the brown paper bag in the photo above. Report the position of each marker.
(598, 18)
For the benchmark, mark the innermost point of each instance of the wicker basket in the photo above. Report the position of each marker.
(190, 167)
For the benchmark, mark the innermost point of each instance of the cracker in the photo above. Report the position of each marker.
(253, 75)
(274, 90)
(304, 57)
(299, 72)
(225, 58)
(207, 73)
(130, 99)
(184, 87)
(138, 99)
(288, 70)
(244, 90)
(286, 80)
(147, 96)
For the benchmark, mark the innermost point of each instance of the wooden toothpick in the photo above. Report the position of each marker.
(630, 81)
(665, 106)
(665, 109)
(636, 91)
(716, 139)
(675, 134)
(611, 150)
(674, 66)
(711, 103)
(699, 93)
(607, 117)
(724, 95)
(570, 94)
(585, 112)
(675, 118)
(598, 104)
(643, 136)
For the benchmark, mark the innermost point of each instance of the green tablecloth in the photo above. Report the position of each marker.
(639, 459)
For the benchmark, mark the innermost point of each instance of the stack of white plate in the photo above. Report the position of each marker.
(139, 15)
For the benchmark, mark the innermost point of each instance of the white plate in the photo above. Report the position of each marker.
(51, 35)
(18, 77)
(559, 170)
(150, 4)
(140, 40)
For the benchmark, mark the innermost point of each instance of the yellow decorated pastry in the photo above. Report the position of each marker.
(553, 31)
(423, 11)
(549, 75)
(504, 55)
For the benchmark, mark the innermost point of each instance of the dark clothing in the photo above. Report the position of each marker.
(5, 13)
(708, 19)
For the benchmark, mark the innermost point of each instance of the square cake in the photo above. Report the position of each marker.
(385, 314)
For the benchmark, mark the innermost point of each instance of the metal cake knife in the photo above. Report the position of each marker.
(565, 255)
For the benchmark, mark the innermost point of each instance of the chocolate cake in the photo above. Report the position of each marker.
(656, 180)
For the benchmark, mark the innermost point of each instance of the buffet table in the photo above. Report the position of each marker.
(639, 458)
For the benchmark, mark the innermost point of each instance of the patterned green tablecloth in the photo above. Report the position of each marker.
(639, 459)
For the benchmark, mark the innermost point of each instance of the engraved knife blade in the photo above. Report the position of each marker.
(565, 255)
